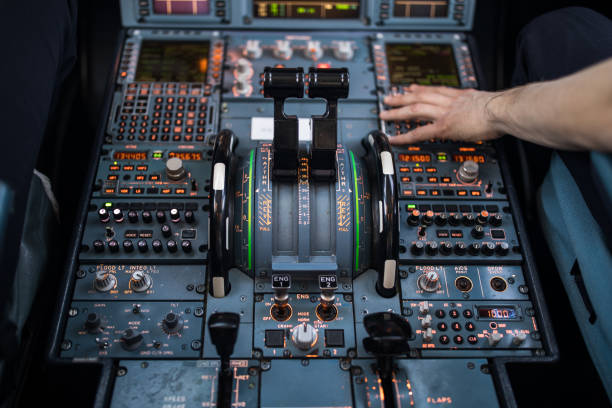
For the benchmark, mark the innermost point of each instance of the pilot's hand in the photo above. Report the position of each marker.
(457, 114)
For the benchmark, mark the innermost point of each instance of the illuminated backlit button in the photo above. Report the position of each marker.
(404, 169)
(179, 191)
(113, 177)
(442, 326)
(431, 170)
(454, 313)
(421, 192)
(475, 192)
(434, 192)
(406, 193)
(140, 177)
(470, 326)
(109, 191)
(458, 339)
(472, 339)
(432, 179)
(113, 167)
(462, 193)
(142, 168)
(446, 179)
(405, 179)
(166, 190)
(124, 191)
(417, 170)
(444, 339)
(456, 326)
(138, 190)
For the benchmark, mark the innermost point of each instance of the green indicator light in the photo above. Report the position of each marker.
(417, 165)
(342, 6)
(355, 193)
(411, 206)
(157, 155)
(115, 163)
(441, 157)
(251, 160)
(108, 204)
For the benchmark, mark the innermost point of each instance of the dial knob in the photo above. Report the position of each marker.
(189, 218)
(417, 248)
(441, 219)
(175, 215)
(483, 217)
(283, 49)
(478, 232)
(455, 219)
(142, 246)
(474, 248)
(488, 248)
(468, 171)
(113, 245)
(460, 248)
(494, 339)
(496, 220)
(304, 336)
(128, 246)
(428, 218)
(98, 245)
(502, 248)
(131, 339)
(103, 215)
(172, 246)
(157, 245)
(252, 49)
(166, 230)
(429, 281)
(343, 51)
(161, 216)
(172, 323)
(117, 215)
(431, 248)
(244, 69)
(174, 169)
(147, 217)
(446, 248)
(92, 323)
(469, 219)
(413, 218)
(104, 281)
(243, 87)
(186, 245)
(313, 50)
(140, 281)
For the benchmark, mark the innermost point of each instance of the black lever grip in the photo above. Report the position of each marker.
(220, 253)
(385, 218)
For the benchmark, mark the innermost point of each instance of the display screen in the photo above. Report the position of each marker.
(173, 61)
(460, 158)
(181, 7)
(186, 155)
(421, 8)
(497, 312)
(130, 156)
(424, 64)
(305, 9)
(416, 158)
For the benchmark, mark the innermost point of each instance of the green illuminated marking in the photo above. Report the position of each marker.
(251, 159)
(115, 163)
(342, 6)
(411, 206)
(157, 155)
(108, 204)
(356, 211)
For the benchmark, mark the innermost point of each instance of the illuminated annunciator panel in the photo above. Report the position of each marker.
(306, 9)
(151, 12)
(439, 12)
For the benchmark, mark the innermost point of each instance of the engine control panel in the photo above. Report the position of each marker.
(251, 238)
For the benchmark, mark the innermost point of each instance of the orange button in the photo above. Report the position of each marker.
(421, 192)
(404, 169)
(109, 191)
(113, 177)
(461, 193)
(432, 179)
(432, 170)
(179, 191)
(128, 168)
(142, 168)
(417, 169)
(140, 177)
(153, 177)
(138, 191)
(166, 191)
(113, 168)
(406, 179)
(407, 192)
(434, 192)
(475, 192)
(446, 179)
(124, 191)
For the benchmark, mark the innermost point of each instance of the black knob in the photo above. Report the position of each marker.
(157, 245)
(131, 339)
(118, 215)
(441, 219)
(147, 217)
(502, 248)
(161, 216)
(132, 217)
(474, 248)
(460, 248)
(103, 215)
(488, 248)
(431, 248)
(469, 219)
(186, 245)
(166, 230)
(455, 219)
(128, 246)
(422, 231)
(172, 246)
(446, 248)
(92, 323)
(413, 218)
(496, 220)
(478, 232)
(172, 323)
(223, 328)
(427, 218)
(417, 248)
(98, 245)
(175, 215)
(483, 217)
(189, 218)
(113, 245)
(143, 246)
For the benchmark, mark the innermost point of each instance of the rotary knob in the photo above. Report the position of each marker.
(429, 281)
(455, 219)
(172, 323)
(131, 339)
(93, 323)
(117, 215)
(104, 281)
(343, 51)
(428, 218)
(468, 171)
(496, 220)
(252, 49)
(478, 232)
(244, 69)
(175, 215)
(140, 281)
(483, 217)
(441, 219)
(502, 248)
(488, 248)
(417, 248)
(304, 336)
(413, 218)
(313, 50)
(283, 49)
(174, 169)
(103, 215)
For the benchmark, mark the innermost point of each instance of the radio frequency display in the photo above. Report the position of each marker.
(420, 8)
(181, 7)
(173, 61)
(424, 64)
(305, 9)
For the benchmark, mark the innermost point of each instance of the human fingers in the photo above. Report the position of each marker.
(423, 111)
(424, 96)
(420, 134)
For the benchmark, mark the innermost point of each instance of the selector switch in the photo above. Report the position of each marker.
(343, 51)
(117, 215)
(414, 217)
(418, 248)
(175, 170)
(283, 49)
(93, 323)
(281, 311)
(429, 281)
(103, 215)
(313, 50)
(468, 171)
(326, 310)
(131, 339)
(304, 336)
(175, 215)
(519, 338)
(426, 321)
(252, 49)
(172, 323)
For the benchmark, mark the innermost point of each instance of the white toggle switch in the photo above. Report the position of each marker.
(424, 308)
(283, 49)
(494, 338)
(426, 321)
(313, 50)
(427, 335)
(519, 338)
(343, 51)
(252, 49)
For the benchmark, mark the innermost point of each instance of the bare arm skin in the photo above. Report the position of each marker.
(570, 113)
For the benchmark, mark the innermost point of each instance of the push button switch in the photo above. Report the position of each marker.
(334, 338)
(275, 338)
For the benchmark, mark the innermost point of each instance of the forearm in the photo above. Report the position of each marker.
(573, 113)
